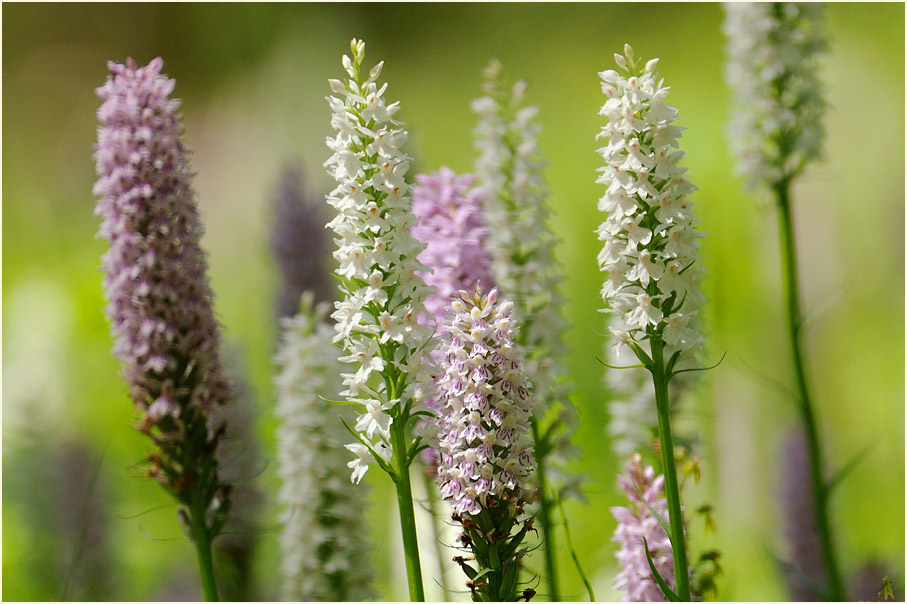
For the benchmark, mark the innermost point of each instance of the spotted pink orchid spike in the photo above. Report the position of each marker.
(159, 302)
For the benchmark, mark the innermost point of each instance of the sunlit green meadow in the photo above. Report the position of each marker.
(253, 80)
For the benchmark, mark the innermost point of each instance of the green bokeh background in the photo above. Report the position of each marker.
(253, 81)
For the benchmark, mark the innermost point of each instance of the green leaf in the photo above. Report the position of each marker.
(642, 356)
(339, 402)
(721, 360)
(470, 571)
(848, 468)
(657, 516)
(616, 367)
(493, 556)
(670, 595)
(576, 563)
(508, 581)
(508, 550)
(481, 574)
(671, 362)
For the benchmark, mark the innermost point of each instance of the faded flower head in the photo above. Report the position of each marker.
(325, 557)
(650, 247)
(773, 56)
(510, 170)
(805, 573)
(377, 254)
(299, 244)
(452, 227)
(483, 423)
(635, 523)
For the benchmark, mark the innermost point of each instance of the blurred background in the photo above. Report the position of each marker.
(78, 520)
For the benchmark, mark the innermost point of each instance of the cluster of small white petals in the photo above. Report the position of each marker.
(650, 248)
(635, 523)
(522, 245)
(324, 553)
(485, 406)
(376, 322)
(773, 48)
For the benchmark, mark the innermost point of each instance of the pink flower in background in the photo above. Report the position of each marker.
(635, 523)
(452, 226)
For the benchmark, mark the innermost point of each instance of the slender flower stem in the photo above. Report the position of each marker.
(407, 514)
(544, 516)
(202, 539)
(432, 498)
(795, 323)
(672, 491)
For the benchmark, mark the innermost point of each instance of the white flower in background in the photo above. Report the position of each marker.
(522, 247)
(324, 553)
(773, 49)
(376, 320)
(650, 247)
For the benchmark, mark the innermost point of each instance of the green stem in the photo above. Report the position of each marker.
(202, 539)
(794, 324)
(672, 491)
(544, 516)
(407, 515)
(431, 495)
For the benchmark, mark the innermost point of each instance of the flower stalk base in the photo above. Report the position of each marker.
(835, 589)
(407, 514)
(546, 505)
(203, 538)
(672, 490)
(495, 551)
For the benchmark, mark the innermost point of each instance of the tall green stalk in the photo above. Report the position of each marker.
(203, 538)
(807, 413)
(432, 498)
(407, 514)
(672, 490)
(544, 515)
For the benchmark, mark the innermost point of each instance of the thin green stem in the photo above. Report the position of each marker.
(672, 490)
(202, 539)
(794, 325)
(544, 516)
(407, 514)
(431, 496)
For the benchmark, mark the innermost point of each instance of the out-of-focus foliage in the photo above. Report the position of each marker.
(253, 78)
